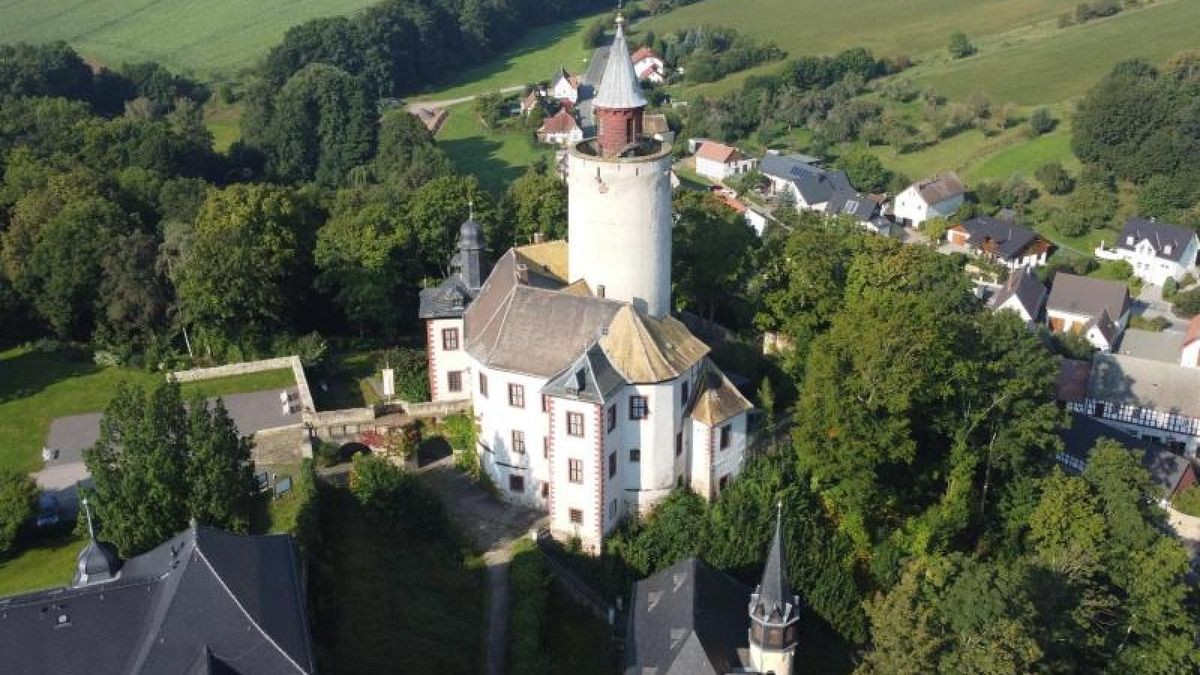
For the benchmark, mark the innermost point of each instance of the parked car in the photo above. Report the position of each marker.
(49, 511)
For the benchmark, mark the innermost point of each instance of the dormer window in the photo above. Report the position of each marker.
(1167, 249)
(1129, 240)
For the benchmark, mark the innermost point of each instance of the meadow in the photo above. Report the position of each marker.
(205, 38)
(495, 156)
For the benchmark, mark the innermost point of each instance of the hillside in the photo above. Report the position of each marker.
(200, 37)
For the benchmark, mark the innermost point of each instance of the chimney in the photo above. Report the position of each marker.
(600, 290)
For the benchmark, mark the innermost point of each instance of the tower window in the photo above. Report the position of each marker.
(518, 442)
(612, 464)
(450, 339)
(638, 410)
(629, 130)
(516, 483)
(612, 417)
(678, 443)
(576, 516)
(635, 455)
(726, 435)
(483, 385)
(575, 424)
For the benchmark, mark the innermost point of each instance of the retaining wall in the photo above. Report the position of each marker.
(246, 367)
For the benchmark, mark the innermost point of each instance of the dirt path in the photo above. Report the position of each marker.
(414, 106)
(492, 527)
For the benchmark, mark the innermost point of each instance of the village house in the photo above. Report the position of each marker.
(564, 87)
(591, 400)
(719, 161)
(1021, 293)
(1170, 473)
(649, 66)
(655, 126)
(1151, 400)
(1156, 251)
(936, 197)
(813, 188)
(1189, 349)
(531, 101)
(1095, 308)
(560, 129)
(691, 618)
(1000, 241)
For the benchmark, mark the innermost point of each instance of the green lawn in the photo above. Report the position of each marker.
(35, 388)
(46, 561)
(495, 157)
(203, 37)
(1026, 155)
(346, 379)
(534, 57)
(224, 122)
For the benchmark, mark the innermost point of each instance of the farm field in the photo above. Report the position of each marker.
(495, 157)
(198, 37)
(35, 388)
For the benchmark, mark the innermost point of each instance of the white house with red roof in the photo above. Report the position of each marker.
(719, 161)
(560, 129)
(649, 66)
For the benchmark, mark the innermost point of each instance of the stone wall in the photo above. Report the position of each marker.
(246, 367)
(436, 408)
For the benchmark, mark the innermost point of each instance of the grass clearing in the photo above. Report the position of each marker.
(36, 387)
(46, 560)
(198, 37)
(224, 122)
(495, 156)
(344, 381)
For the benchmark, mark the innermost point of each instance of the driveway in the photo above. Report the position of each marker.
(1150, 304)
(492, 526)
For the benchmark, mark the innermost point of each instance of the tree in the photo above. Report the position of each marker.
(960, 45)
(1040, 121)
(238, 278)
(134, 296)
(1054, 178)
(158, 463)
(1166, 197)
(535, 203)
(51, 70)
(710, 244)
(18, 503)
(1187, 303)
(491, 108)
(865, 170)
(437, 209)
(407, 153)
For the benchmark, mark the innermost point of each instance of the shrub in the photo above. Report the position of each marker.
(1170, 288)
(1040, 121)
(459, 429)
(1187, 303)
(18, 503)
(1054, 178)
(1158, 324)
(528, 579)
(306, 529)
(412, 374)
(935, 228)
(1073, 346)
(1188, 501)
(1187, 280)
(960, 45)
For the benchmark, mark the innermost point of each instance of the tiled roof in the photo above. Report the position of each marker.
(1165, 467)
(718, 152)
(562, 122)
(1087, 296)
(644, 349)
(1072, 381)
(940, 188)
(998, 237)
(1170, 242)
(644, 52)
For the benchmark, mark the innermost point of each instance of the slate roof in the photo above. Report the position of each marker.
(1160, 235)
(1163, 346)
(1087, 296)
(590, 378)
(644, 349)
(688, 618)
(205, 601)
(447, 300)
(716, 399)
(1127, 380)
(619, 88)
(1025, 287)
(998, 237)
(1165, 467)
(816, 185)
(854, 204)
(940, 187)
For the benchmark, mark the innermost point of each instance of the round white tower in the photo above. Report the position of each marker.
(619, 196)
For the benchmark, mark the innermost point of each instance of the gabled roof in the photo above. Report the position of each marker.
(1104, 324)
(1163, 346)
(619, 89)
(1170, 242)
(562, 122)
(1025, 287)
(590, 378)
(688, 618)
(643, 53)
(1087, 296)
(655, 123)
(548, 258)
(940, 187)
(815, 185)
(202, 593)
(716, 399)
(562, 74)
(447, 300)
(644, 349)
(718, 152)
(998, 237)
(1165, 467)
(860, 206)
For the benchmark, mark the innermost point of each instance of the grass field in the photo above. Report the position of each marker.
(200, 37)
(46, 561)
(495, 157)
(35, 388)
(224, 122)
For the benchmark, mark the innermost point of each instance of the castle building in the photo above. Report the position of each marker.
(591, 400)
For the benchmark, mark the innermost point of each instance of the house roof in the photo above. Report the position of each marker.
(1165, 467)
(590, 378)
(643, 53)
(998, 237)
(1128, 380)
(561, 122)
(644, 349)
(1170, 242)
(655, 124)
(858, 205)
(1193, 331)
(202, 593)
(1071, 385)
(688, 618)
(562, 74)
(1025, 287)
(619, 89)
(1108, 329)
(448, 299)
(718, 152)
(1163, 346)
(716, 398)
(940, 187)
(815, 185)
(1087, 296)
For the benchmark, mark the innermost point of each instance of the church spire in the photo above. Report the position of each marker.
(96, 562)
(774, 611)
(619, 101)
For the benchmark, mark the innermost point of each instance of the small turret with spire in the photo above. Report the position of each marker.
(469, 259)
(97, 562)
(774, 612)
(620, 102)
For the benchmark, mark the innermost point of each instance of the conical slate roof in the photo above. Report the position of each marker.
(619, 89)
(773, 600)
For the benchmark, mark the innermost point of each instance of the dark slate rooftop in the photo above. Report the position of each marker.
(1028, 291)
(590, 378)
(205, 601)
(852, 204)
(1169, 241)
(447, 300)
(1166, 468)
(816, 185)
(688, 618)
(1008, 238)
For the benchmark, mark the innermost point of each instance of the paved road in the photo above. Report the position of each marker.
(492, 527)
